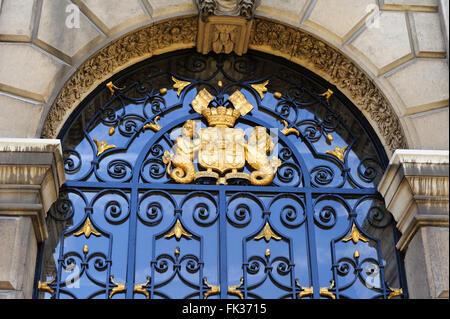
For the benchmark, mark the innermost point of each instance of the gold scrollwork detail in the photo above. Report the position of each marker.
(309, 291)
(213, 290)
(395, 293)
(111, 87)
(355, 236)
(179, 85)
(325, 291)
(153, 126)
(178, 231)
(289, 130)
(339, 153)
(261, 88)
(45, 286)
(267, 233)
(87, 230)
(102, 146)
(328, 95)
(118, 289)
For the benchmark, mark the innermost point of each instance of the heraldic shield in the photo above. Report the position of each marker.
(221, 148)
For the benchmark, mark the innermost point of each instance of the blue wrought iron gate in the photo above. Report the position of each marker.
(125, 228)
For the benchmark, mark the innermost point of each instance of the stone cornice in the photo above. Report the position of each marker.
(416, 188)
(31, 173)
(266, 35)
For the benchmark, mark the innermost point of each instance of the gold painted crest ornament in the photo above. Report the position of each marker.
(221, 149)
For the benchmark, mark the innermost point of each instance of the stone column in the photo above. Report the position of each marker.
(416, 189)
(31, 173)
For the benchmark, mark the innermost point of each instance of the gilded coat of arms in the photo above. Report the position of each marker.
(221, 149)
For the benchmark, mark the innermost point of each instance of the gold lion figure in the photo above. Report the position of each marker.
(182, 159)
(259, 144)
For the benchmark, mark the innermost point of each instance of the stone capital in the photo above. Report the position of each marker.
(415, 187)
(31, 173)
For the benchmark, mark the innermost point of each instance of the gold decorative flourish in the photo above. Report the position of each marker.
(154, 127)
(45, 286)
(355, 236)
(325, 292)
(163, 91)
(112, 87)
(286, 131)
(118, 289)
(267, 233)
(180, 85)
(233, 290)
(87, 230)
(356, 255)
(339, 153)
(102, 146)
(178, 231)
(140, 289)
(111, 131)
(85, 249)
(278, 95)
(395, 293)
(260, 88)
(213, 290)
(267, 253)
(328, 95)
(306, 291)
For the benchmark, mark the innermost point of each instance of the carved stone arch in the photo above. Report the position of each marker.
(267, 35)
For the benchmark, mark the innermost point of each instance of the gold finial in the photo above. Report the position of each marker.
(163, 91)
(87, 230)
(328, 95)
(102, 146)
(339, 153)
(330, 138)
(268, 252)
(356, 254)
(286, 131)
(112, 87)
(220, 84)
(260, 88)
(178, 231)
(85, 249)
(177, 251)
(267, 233)
(180, 85)
(278, 95)
(355, 236)
(154, 127)
(111, 131)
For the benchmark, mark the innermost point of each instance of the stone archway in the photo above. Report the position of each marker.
(267, 35)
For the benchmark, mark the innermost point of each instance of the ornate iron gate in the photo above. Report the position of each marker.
(193, 176)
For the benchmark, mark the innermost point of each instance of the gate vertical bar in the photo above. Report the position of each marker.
(131, 256)
(311, 244)
(223, 272)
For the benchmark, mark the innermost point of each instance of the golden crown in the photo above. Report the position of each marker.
(221, 116)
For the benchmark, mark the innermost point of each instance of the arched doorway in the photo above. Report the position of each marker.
(219, 176)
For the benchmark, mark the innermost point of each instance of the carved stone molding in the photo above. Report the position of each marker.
(266, 35)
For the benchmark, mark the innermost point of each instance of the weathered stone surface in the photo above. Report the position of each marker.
(163, 8)
(23, 118)
(291, 10)
(16, 20)
(25, 68)
(386, 44)
(435, 139)
(422, 85)
(17, 255)
(117, 14)
(428, 35)
(69, 38)
(352, 15)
